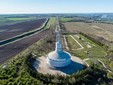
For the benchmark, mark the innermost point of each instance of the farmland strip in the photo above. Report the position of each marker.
(5, 42)
(10, 50)
(10, 31)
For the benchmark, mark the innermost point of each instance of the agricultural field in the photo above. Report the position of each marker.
(12, 48)
(66, 19)
(13, 20)
(19, 28)
(99, 31)
(18, 19)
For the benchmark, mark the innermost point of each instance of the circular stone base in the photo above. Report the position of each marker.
(75, 65)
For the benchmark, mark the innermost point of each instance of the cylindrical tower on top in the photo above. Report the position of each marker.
(58, 41)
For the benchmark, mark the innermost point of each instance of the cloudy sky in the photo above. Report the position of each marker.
(55, 6)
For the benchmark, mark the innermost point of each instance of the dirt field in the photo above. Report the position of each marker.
(12, 49)
(97, 29)
(9, 31)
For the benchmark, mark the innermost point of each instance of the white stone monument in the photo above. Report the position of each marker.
(58, 58)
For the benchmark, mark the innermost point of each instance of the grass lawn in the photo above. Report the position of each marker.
(111, 65)
(93, 51)
(72, 43)
(66, 19)
(89, 62)
(52, 20)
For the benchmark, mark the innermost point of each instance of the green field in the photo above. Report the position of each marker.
(95, 51)
(66, 19)
(111, 65)
(8, 21)
(92, 53)
(18, 19)
(90, 50)
(52, 21)
(72, 43)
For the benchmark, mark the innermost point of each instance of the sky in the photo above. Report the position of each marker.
(55, 6)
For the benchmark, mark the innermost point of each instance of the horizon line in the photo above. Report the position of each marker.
(61, 13)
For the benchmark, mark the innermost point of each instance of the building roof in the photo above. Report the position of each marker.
(54, 55)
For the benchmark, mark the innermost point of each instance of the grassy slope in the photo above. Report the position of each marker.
(7, 21)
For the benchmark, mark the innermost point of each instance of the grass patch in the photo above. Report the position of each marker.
(51, 22)
(72, 43)
(94, 50)
(111, 65)
(8, 21)
(66, 19)
(18, 19)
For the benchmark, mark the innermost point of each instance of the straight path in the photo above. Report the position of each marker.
(104, 66)
(77, 43)
(65, 41)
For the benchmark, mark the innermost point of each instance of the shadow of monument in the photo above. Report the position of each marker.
(36, 63)
(71, 68)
